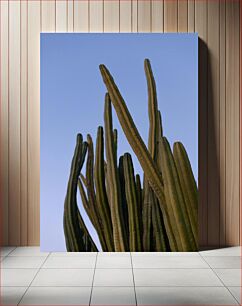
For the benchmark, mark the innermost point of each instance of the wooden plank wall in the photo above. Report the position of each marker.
(217, 23)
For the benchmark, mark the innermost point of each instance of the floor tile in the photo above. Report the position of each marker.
(73, 254)
(64, 277)
(28, 251)
(109, 262)
(70, 262)
(168, 262)
(116, 254)
(175, 277)
(4, 251)
(230, 277)
(231, 262)
(184, 296)
(236, 292)
(11, 295)
(113, 277)
(17, 277)
(169, 254)
(23, 262)
(113, 296)
(231, 251)
(57, 296)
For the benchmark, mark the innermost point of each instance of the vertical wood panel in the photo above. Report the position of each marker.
(96, 16)
(213, 123)
(4, 122)
(81, 16)
(24, 125)
(157, 20)
(48, 17)
(125, 16)
(144, 16)
(182, 15)
(70, 16)
(33, 122)
(222, 120)
(14, 122)
(61, 16)
(134, 15)
(191, 16)
(111, 16)
(171, 15)
(201, 28)
(232, 122)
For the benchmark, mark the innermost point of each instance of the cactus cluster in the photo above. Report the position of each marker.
(159, 215)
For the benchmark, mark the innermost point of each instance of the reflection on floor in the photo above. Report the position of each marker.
(30, 277)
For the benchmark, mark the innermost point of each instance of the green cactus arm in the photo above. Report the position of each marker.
(147, 217)
(85, 202)
(160, 239)
(101, 195)
(175, 200)
(73, 232)
(90, 244)
(139, 148)
(135, 242)
(188, 185)
(159, 133)
(83, 179)
(92, 194)
(139, 198)
(152, 109)
(119, 234)
(132, 133)
(123, 196)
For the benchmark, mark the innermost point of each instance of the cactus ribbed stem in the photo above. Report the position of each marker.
(123, 195)
(174, 199)
(74, 234)
(131, 196)
(119, 234)
(139, 192)
(101, 195)
(188, 185)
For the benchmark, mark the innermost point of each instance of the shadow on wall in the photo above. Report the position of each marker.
(210, 226)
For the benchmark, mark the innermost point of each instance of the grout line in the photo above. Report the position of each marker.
(135, 296)
(93, 280)
(105, 286)
(14, 248)
(239, 302)
(33, 278)
(220, 279)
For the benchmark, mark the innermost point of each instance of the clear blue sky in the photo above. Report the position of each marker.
(72, 100)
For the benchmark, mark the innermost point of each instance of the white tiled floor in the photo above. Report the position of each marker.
(30, 277)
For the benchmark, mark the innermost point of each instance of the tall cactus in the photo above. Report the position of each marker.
(188, 185)
(138, 146)
(135, 241)
(119, 233)
(161, 216)
(74, 231)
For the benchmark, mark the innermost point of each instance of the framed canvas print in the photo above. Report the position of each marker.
(119, 142)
